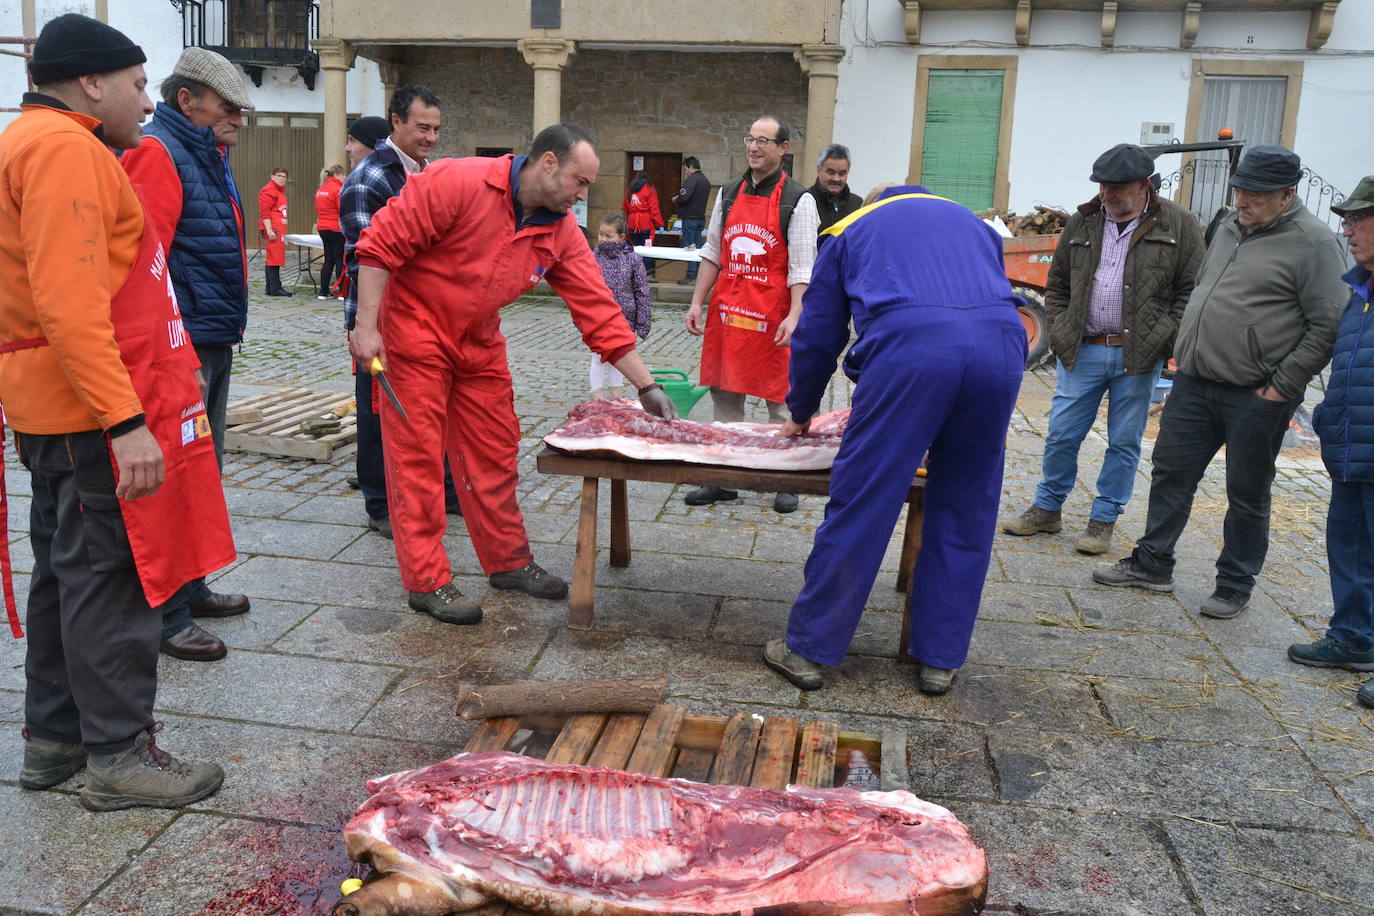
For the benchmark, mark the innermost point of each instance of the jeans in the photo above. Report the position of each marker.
(692, 231)
(1350, 557)
(371, 472)
(1199, 418)
(642, 238)
(1077, 394)
(176, 613)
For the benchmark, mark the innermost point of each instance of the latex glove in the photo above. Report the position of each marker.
(657, 403)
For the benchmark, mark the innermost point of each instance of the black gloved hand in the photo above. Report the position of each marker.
(657, 403)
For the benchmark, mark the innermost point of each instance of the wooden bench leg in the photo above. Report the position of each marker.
(911, 549)
(620, 524)
(582, 603)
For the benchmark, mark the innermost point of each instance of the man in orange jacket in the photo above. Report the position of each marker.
(504, 225)
(97, 377)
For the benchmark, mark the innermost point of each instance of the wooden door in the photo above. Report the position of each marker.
(665, 174)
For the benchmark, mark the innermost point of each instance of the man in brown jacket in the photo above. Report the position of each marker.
(1120, 278)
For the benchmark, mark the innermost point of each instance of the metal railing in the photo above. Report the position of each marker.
(283, 28)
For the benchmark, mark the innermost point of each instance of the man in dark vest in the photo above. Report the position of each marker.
(755, 265)
(834, 200)
(182, 166)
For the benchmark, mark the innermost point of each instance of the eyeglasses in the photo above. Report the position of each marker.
(1348, 222)
(759, 141)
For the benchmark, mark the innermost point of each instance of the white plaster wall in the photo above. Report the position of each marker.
(1335, 135)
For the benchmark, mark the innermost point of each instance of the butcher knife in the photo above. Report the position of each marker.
(376, 369)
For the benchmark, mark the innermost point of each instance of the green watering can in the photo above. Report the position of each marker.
(679, 389)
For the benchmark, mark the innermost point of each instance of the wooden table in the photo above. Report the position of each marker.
(582, 601)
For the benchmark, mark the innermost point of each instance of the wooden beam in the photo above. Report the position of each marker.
(911, 20)
(1319, 28)
(1109, 23)
(1023, 22)
(1191, 14)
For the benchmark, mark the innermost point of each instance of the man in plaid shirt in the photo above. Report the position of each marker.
(1121, 275)
(415, 121)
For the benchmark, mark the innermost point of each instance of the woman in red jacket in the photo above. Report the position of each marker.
(327, 224)
(642, 215)
(272, 227)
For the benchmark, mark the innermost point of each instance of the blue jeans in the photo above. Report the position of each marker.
(1350, 557)
(1199, 418)
(1077, 395)
(176, 613)
(692, 231)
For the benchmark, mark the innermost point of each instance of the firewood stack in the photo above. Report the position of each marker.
(1044, 221)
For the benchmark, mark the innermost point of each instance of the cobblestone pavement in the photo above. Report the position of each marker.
(1115, 752)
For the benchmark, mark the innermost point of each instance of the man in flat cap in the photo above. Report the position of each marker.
(182, 165)
(100, 388)
(1121, 275)
(1259, 324)
(1345, 423)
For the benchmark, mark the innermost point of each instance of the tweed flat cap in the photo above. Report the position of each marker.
(1267, 168)
(215, 71)
(1124, 163)
(1361, 199)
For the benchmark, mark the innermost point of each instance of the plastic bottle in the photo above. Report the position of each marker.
(859, 773)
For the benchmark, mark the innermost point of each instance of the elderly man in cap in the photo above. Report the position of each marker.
(1345, 423)
(182, 165)
(1260, 323)
(97, 392)
(1122, 272)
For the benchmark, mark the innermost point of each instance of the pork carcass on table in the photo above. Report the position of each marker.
(620, 427)
(582, 841)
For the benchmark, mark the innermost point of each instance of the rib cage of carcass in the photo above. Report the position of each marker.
(582, 841)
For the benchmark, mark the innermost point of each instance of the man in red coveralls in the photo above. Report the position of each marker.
(272, 216)
(463, 239)
(755, 266)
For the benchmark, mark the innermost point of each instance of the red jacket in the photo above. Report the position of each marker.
(641, 208)
(327, 204)
(455, 257)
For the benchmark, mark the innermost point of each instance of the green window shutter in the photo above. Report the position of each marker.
(963, 125)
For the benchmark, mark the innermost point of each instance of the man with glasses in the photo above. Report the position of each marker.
(755, 266)
(1345, 422)
(1260, 323)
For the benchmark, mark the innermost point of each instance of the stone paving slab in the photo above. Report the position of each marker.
(1092, 651)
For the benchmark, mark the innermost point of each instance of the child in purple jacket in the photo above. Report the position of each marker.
(627, 281)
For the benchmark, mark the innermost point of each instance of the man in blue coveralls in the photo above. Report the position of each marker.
(937, 368)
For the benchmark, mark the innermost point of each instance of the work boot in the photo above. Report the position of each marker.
(1365, 694)
(194, 644)
(532, 579)
(1224, 603)
(704, 496)
(935, 681)
(218, 605)
(1033, 521)
(146, 775)
(1096, 538)
(382, 526)
(447, 605)
(1331, 652)
(784, 503)
(800, 671)
(49, 763)
(1128, 572)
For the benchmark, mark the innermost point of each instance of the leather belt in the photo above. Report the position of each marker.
(1106, 340)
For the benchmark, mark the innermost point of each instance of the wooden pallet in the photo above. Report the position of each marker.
(743, 749)
(274, 425)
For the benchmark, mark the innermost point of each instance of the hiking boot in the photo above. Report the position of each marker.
(800, 671)
(935, 681)
(532, 579)
(1033, 521)
(1096, 538)
(49, 763)
(1331, 652)
(381, 525)
(1366, 694)
(784, 503)
(704, 496)
(1129, 573)
(194, 644)
(1224, 603)
(447, 605)
(146, 775)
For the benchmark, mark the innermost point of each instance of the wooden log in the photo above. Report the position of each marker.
(615, 694)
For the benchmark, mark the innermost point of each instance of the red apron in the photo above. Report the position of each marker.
(181, 532)
(276, 249)
(750, 301)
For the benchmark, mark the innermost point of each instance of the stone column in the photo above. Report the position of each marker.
(548, 57)
(336, 58)
(390, 73)
(821, 64)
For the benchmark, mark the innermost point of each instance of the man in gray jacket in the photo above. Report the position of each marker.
(1259, 324)
(1121, 275)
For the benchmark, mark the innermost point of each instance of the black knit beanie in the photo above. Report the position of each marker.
(370, 131)
(76, 45)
